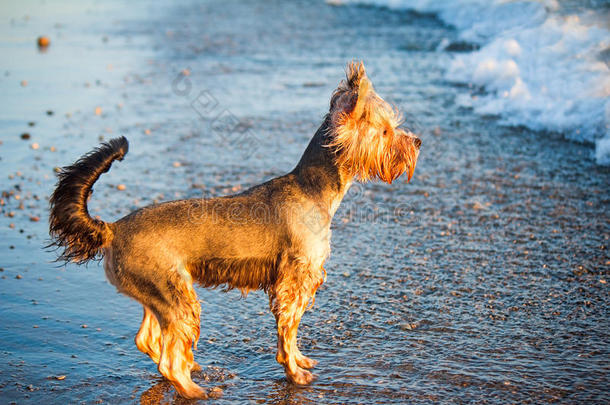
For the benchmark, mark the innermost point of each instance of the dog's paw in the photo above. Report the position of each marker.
(301, 377)
(195, 367)
(306, 362)
(191, 391)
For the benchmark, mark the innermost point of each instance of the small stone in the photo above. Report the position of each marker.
(408, 326)
(34, 146)
(176, 164)
(121, 187)
(84, 326)
(216, 392)
(50, 112)
(18, 277)
(147, 131)
(25, 136)
(31, 123)
(24, 83)
(34, 218)
(60, 377)
(98, 110)
(43, 41)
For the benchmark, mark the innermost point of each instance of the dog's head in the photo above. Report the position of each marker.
(366, 137)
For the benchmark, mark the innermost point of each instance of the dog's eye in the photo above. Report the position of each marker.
(385, 132)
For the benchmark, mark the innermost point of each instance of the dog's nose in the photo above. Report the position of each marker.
(417, 142)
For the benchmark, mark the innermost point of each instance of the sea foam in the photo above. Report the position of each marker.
(539, 65)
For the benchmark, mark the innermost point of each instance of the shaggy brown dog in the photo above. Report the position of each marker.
(274, 236)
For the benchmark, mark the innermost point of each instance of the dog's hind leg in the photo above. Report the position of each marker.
(149, 339)
(180, 329)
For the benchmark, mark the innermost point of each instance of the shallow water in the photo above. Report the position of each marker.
(483, 280)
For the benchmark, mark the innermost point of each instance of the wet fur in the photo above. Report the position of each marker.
(273, 237)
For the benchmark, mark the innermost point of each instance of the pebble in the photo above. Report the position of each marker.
(408, 326)
(34, 218)
(121, 187)
(60, 377)
(34, 146)
(25, 136)
(50, 112)
(147, 131)
(98, 110)
(84, 326)
(24, 83)
(18, 276)
(177, 164)
(43, 41)
(216, 392)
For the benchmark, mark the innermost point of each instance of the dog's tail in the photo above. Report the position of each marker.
(71, 227)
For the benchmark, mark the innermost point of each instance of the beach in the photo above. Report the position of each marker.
(484, 279)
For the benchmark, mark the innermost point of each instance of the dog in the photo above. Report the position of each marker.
(274, 236)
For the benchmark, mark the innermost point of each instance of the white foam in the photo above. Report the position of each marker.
(538, 68)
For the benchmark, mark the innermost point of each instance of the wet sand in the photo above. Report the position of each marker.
(483, 280)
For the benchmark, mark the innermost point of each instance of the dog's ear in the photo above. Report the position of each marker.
(351, 96)
(359, 86)
(354, 73)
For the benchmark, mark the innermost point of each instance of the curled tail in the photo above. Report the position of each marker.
(70, 225)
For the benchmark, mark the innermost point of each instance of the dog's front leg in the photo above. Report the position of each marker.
(288, 314)
(288, 301)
